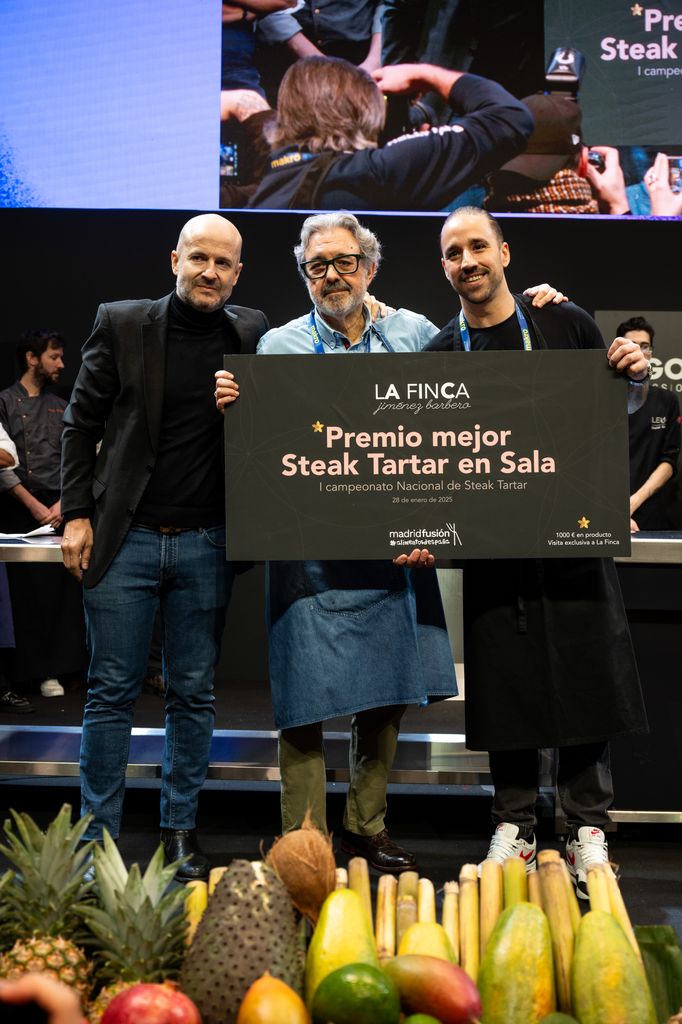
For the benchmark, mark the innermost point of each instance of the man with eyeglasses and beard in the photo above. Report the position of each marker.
(349, 637)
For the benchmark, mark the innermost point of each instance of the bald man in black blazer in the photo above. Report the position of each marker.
(144, 514)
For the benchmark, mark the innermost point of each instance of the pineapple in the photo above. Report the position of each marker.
(5, 932)
(249, 927)
(139, 923)
(42, 898)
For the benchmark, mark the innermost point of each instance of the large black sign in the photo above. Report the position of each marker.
(473, 455)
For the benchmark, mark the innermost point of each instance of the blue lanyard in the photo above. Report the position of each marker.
(319, 346)
(523, 324)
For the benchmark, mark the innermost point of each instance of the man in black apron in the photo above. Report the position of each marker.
(548, 659)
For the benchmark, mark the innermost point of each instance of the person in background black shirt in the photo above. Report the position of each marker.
(47, 605)
(654, 443)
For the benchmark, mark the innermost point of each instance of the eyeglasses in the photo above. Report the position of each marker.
(347, 263)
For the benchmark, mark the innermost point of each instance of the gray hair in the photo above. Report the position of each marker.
(369, 244)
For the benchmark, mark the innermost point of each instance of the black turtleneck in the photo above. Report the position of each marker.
(187, 487)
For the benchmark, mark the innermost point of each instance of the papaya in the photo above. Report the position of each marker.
(427, 984)
(356, 994)
(271, 1001)
(516, 979)
(428, 938)
(342, 936)
(608, 983)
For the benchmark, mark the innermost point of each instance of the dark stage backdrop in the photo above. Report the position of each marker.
(62, 263)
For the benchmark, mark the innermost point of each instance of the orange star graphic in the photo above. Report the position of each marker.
(583, 523)
(637, 10)
(318, 427)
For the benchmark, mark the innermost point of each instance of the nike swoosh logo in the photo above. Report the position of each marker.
(570, 857)
(526, 856)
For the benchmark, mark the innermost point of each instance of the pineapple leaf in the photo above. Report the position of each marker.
(139, 924)
(43, 895)
(157, 877)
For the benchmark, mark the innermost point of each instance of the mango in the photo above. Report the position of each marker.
(429, 985)
(342, 936)
(608, 981)
(428, 939)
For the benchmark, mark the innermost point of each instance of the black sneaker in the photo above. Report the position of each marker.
(15, 704)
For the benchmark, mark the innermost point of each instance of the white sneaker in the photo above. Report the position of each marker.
(505, 843)
(51, 688)
(589, 848)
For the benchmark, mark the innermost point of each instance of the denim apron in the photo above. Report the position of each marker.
(347, 636)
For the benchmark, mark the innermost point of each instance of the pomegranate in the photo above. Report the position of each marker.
(148, 1003)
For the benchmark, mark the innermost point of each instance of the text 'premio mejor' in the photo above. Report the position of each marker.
(359, 452)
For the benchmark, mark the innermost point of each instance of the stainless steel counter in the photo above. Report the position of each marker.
(22, 551)
(424, 758)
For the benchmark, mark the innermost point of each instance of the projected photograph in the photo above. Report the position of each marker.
(413, 105)
(519, 106)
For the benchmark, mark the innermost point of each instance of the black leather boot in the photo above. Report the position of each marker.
(178, 843)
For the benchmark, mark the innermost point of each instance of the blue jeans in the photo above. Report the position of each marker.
(186, 575)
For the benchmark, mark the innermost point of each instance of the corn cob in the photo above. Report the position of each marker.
(385, 918)
(469, 943)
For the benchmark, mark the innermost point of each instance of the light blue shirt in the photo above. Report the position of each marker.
(406, 332)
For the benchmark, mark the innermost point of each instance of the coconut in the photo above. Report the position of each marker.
(304, 860)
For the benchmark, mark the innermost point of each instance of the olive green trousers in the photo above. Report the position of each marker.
(373, 744)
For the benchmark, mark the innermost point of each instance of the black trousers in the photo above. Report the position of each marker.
(583, 780)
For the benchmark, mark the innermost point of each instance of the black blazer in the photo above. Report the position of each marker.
(118, 399)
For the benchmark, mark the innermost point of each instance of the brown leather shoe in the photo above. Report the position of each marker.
(380, 851)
